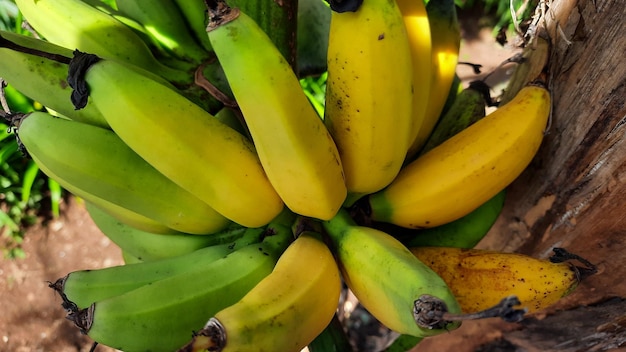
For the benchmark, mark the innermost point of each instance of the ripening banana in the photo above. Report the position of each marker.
(467, 108)
(445, 43)
(296, 150)
(76, 25)
(84, 287)
(149, 246)
(97, 161)
(160, 317)
(184, 142)
(468, 169)
(42, 79)
(369, 93)
(479, 279)
(418, 32)
(285, 311)
(386, 277)
(166, 24)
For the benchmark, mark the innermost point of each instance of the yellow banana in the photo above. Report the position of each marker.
(387, 278)
(369, 93)
(285, 311)
(77, 25)
(97, 161)
(181, 140)
(468, 169)
(418, 32)
(296, 150)
(479, 279)
(445, 43)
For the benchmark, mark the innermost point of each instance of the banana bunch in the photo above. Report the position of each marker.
(238, 209)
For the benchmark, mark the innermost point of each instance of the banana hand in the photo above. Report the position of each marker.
(160, 316)
(468, 169)
(85, 287)
(285, 311)
(96, 161)
(183, 141)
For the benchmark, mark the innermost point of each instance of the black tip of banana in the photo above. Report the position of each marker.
(345, 5)
(80, 63)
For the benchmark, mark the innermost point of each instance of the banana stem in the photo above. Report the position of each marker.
(5, 43)
(431, 312)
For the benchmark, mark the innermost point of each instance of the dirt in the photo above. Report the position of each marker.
(32, 318)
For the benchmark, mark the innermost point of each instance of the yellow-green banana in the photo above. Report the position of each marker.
(445, 43)
(184, 142)
(162, 315)
(77, 25)
(296, 151)
(418, 32)
(166, 24)
(386, 277)
(479, 279)
(285, 311)
(85, 287)
(149, 246)
(42, 79)
(369, 93)
(95, 160)
(468, 169)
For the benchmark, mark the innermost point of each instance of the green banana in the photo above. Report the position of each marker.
(181, 140)
(387, 279)
(195, 15)
(95, 160)
(467, 108)
(296, 151)
(166, 24)
(465, 232)
(130, 259)
(77, 25)
(42, 79)
(285, 311)
(403, 343)
(149, 246)
(312, 37)
(160, 316)
(85, 287)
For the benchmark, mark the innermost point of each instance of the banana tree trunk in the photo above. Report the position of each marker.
(574, 193)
